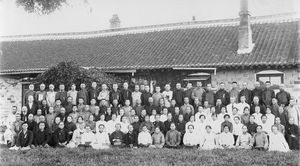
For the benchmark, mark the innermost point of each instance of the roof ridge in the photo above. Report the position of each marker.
(278, 18)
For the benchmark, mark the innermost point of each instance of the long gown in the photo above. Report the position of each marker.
(209, 141)
(278, 143)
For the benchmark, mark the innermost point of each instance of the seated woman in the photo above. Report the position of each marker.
(226, 139)
(41, 136)
(88, 138)
(101, 139)
(158, 139)
(24, 139)
(277, 141)
(190, 138)
(61, 136)
(76, 137)
(144, 138)
(244, 140)
(209, 140)
(70, 126)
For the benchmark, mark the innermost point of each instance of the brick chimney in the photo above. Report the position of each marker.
(245, 33)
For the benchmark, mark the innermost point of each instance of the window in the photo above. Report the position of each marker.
(274, 76)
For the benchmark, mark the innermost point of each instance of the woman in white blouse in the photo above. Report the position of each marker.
(277, 141)
(209, 139)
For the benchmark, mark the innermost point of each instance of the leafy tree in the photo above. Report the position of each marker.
(68, 73)
(41, 6)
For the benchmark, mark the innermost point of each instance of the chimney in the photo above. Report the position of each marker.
(245, 33)
(115, 22)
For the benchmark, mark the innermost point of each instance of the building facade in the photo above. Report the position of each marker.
(208, 51)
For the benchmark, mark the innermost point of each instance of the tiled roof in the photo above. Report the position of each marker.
(182, 45)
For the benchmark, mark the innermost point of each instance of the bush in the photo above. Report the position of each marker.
(68, 73)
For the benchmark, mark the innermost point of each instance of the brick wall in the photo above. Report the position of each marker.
(291, 79)
(10, 95)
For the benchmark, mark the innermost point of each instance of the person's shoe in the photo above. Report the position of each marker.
(14, 148)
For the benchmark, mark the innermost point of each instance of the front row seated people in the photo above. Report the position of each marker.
(84, 137)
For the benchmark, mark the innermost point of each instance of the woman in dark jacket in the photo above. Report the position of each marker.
(41, 136)
(70, 127)
(61, 136)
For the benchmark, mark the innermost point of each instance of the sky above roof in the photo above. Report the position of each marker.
(91, 15)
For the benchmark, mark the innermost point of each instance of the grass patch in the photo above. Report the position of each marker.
(82, 156)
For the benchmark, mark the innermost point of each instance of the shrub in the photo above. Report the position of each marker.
(68, 73)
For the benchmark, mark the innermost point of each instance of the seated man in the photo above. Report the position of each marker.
(24, 139)
(101, 138)
(144, 138)
(173, 137)
(260, 139)
(158, 139)
(190, 138)
(131, 138)
(244, 140)
(41, 136)
(88, 138)
(117, 137)
(226, 139)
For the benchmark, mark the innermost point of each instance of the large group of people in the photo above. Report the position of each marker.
(144, 116)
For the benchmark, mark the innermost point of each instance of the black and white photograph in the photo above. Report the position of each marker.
(149, 82)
